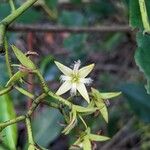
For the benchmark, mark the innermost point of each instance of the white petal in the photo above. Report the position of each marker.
(66, 86)
(76, 66)
(83, 72)
(73, 89)
(66, 70)
(82, 90)
(87, 81)
(65, 78)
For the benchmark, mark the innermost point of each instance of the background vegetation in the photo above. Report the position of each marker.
(99, 32)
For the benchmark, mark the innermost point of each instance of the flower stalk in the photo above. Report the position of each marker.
(29, 132)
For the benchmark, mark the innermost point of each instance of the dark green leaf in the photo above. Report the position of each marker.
(138, 100)
(142, 56)
(46, 126)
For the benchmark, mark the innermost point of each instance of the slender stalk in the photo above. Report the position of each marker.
(12, 121)
(60, 99)
(29, 131)
(35, 104)
(10, 18)
(6, 90)
(26, 93)
(144, 15)
(2, 36)
(44, 85)
(12, 5)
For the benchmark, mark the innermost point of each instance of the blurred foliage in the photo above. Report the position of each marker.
(138, 100)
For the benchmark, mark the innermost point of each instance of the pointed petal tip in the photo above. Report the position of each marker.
(87, 99)
(64, 69)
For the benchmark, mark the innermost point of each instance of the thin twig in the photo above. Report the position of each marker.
(118, 136)
(12, 5)
(59, 29)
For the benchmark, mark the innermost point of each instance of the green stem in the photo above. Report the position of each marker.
(2, 36)
(29, 131)
(12, 5)
(12, 121)
(10, 18)
(44, 85)
(83, 121)
(35, 104)
(144, 15)
(24, 92)
(52, 13)
(60, 99)
(5, 90)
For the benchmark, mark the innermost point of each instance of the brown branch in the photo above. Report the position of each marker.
(60, 29)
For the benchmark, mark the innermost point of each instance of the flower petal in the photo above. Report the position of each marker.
(82, 90)
(83, 72)
(66, 70)
(66, 86)
(86, 81)
(65, 78)
(76, 66)
(73, 89)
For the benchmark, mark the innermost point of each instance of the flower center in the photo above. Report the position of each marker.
(75, 78)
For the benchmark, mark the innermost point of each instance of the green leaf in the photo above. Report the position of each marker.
(104, 96)
(86, 143)
(103, 109)
(7, 112)
(135, 14)
(46, 126)
(109, 95)
(24, 60)
(138, 100)
(94, 137)
(142, 56)
(84, 109)
(15, 78)
(72, 123)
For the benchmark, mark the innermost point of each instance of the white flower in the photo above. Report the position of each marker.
(74, 79)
